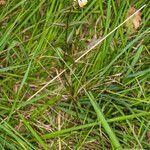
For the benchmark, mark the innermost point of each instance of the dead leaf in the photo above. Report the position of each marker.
(148, 136)
(134, 23)
(92, 42)
(15, 88)
(2, 2)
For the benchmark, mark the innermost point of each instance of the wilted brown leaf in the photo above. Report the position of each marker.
(134, 23)
(148, 136)
(2, 2)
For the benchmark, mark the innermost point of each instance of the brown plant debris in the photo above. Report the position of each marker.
(134, 23)
(148, 136)
(2, 2)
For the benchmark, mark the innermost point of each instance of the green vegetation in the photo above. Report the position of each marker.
(74, 78)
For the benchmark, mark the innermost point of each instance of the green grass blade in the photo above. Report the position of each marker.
(34, 133)
(103, 121)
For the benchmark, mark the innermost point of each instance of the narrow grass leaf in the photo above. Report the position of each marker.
(103, 121)
(39, 139)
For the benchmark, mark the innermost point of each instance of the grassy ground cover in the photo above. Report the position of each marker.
(74, 78)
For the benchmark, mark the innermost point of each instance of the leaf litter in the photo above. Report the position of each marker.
(134, 23)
